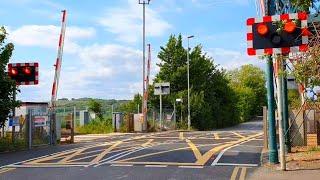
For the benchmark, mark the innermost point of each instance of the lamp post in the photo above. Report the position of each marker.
(144, 3)
(189, 118)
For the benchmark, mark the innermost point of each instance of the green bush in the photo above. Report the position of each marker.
(96, 127)
(7, 145)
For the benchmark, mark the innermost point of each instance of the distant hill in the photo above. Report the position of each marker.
(67, 105)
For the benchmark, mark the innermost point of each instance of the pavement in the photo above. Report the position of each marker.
(232, 153)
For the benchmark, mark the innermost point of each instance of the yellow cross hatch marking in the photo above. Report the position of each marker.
(194, 148)
(238, 134)
(181, 136)
(216, 136)
(4, 170)
(101, 155)
(147, 143)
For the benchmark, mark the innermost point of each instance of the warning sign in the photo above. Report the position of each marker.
(40, 121)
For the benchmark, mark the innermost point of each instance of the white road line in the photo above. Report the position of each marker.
(162, 166)
(191, 167)
(46, 166)
(223, 151)
(121, 165)
(236, 164)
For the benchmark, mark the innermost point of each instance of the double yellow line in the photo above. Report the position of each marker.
(4, 170)
(242, 173)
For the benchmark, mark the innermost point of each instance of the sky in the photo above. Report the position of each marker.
(103, 45)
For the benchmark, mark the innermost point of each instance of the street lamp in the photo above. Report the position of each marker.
(144, 3)
(189, 118)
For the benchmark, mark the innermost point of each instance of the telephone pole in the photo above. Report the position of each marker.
(144, 3)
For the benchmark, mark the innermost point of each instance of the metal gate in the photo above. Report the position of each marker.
(38, 128)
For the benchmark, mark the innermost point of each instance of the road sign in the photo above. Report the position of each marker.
(162, 88)
(40, 121)
(14, 121)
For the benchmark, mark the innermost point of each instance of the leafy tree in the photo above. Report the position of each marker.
(96, 107)
(212, 103)
(132, 106)
(248, 82)
(7, 86)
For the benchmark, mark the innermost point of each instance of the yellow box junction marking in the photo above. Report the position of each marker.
(194, 148)
(235, 133)
(147, 143)
(101, 155)
(181, 136)
(4, 170)
(216, 136)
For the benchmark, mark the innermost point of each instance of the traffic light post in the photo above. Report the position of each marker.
(22, 74)
(274, 35)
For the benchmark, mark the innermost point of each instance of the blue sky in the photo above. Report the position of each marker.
(103, 54)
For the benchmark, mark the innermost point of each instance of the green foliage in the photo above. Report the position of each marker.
(304, 5)
(7, 86)
(7, 145)
(248, 82)
(212, 103)
(294, 99)
(96, 107)
(96, 126)
(132, 106)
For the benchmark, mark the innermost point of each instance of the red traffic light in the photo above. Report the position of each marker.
(27, 70)
(14, 72)
(262, 29)
(290, 27)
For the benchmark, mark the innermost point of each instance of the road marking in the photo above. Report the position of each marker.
(216, 136)
(157, 166)
(243, 173)
(234, 144)
(194, 148)
(151, 163)
(121, 165)
(147, 143)
(47, 165)
(66, 159)
(191, 167)
(4, 170)
(235, 133)
(181, 136)
(101, 155)
(204, 158)
(234, 173)
(236, 164)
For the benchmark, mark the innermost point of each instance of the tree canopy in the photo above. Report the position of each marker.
(211, 98)
(7, 86)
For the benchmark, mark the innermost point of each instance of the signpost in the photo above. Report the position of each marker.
(161, 89)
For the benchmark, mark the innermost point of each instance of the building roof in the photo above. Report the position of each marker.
(33, 103)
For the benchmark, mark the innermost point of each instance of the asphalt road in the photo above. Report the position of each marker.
(231, 153)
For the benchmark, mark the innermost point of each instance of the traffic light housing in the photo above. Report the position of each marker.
(279, 34)
(24, 73)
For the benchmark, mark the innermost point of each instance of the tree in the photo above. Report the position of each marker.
(96, 107)
(248, 82)
(211, 100)
(132, 106)
(7, 86)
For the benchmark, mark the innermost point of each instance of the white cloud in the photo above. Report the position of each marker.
(126, 22)
(229, 59)
(48, 35)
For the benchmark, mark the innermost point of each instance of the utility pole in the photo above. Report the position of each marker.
(188, 61)
(144, 3)
(285, 115)
(160, 117)
(273, 149)
(55, 85)
(280, 112)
